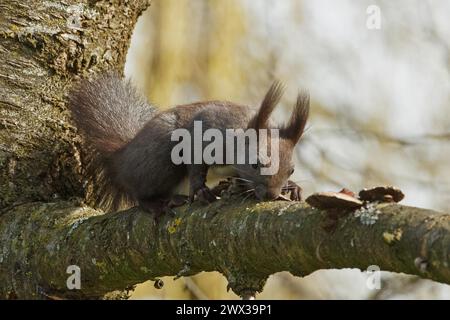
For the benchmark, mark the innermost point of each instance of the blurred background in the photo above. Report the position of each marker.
(380, 105)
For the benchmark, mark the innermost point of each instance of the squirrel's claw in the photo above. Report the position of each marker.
(204, 195)
(295, 191)
(160, 207)
(178, 200)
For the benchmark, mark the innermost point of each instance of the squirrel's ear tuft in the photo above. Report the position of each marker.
(293, 131)
(269, 103)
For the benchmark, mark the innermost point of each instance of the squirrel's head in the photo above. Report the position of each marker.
(272, 163)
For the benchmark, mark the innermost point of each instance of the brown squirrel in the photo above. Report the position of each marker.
(131, 142)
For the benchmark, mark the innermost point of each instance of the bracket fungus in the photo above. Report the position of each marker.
(382, 194)
(333, 200)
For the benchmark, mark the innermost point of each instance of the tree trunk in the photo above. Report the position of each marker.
(45, 46)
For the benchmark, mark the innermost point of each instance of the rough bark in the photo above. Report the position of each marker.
(44, 47)
(246, 241)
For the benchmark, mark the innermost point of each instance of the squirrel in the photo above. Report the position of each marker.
(131, 143)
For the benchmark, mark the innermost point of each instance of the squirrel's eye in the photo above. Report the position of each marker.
(292, 171)
(255, 166)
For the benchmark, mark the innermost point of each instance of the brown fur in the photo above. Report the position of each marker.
(130, 145)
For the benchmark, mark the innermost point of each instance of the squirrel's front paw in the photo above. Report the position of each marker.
(204, 195)
(294, 190)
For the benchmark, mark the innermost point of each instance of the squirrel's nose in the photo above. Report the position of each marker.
(271, 195)
(263, 194)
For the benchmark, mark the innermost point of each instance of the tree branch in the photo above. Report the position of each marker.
(245, 241)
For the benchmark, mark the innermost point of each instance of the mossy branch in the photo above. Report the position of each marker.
(246, 241)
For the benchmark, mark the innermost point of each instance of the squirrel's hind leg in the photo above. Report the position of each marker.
(161, 206)
(155, 206)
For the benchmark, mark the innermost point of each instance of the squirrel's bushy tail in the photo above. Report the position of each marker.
(109, 112)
